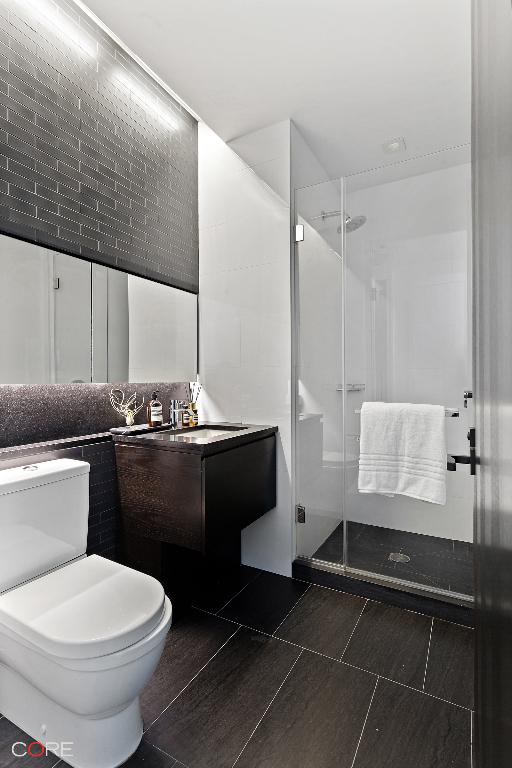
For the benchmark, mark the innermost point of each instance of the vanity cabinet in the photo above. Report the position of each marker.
(179, 498)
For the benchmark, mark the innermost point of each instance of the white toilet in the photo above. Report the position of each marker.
(79, 636)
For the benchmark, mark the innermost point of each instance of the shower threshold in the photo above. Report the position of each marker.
(361, 578)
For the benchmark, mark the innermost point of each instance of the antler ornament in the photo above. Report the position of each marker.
(127, 408)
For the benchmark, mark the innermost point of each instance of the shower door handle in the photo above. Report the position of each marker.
(473, 458)
(453, 460)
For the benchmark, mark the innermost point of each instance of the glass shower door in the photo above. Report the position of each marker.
(318, 274)
(383, 313)
(407, 322)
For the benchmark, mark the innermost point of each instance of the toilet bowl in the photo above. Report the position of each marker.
(79, 642)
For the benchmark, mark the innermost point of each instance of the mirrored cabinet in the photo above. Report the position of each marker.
(67, 320)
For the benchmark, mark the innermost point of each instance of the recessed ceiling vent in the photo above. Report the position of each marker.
(394, 145)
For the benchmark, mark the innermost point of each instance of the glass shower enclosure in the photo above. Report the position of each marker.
(383, 313)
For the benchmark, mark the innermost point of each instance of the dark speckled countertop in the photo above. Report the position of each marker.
(205, 439)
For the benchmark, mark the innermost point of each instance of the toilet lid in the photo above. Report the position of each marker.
(86, 609)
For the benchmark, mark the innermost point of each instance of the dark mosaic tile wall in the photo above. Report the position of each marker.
(96, 159)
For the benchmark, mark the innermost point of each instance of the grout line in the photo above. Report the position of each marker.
(254, 629)
(355, 626)
(388, 605)
(428, 654)
(159, 749)
(291, 610)
(192, 679)
(346, 663)
(319, 653)
(471, 628)
(364, 724)
(403, 685)
(223, 618)
(472, 736)
(416, 690)
(237, 593)
(281, 640)
(268, 707)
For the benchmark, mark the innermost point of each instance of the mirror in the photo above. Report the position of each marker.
(66, 320)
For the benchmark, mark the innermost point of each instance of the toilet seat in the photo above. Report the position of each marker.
(87, 609)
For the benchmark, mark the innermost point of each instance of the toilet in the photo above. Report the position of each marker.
(79, 636)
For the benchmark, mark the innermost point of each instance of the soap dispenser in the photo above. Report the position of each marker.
(155, 418)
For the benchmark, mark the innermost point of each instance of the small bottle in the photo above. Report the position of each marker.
(155, 418)
(186, 417)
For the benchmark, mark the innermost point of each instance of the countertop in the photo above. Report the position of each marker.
(163, 438)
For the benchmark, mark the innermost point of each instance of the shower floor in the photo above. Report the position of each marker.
(435, 562)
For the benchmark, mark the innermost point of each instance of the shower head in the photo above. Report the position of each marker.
(351, 222)
(354, 222)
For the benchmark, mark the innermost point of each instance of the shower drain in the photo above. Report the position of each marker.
(398, 557)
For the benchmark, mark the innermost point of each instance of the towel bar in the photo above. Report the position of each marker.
(351, 388)
(448, 412)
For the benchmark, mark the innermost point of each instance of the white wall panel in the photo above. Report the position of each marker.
(244, 311)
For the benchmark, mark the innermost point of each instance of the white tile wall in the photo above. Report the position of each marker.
(244, 313)
(415, 250)
(267, 152)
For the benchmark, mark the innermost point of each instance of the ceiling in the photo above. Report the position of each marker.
(352, 74)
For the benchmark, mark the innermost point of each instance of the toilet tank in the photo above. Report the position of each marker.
(44, 512)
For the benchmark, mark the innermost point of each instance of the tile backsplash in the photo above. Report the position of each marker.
(35, 414)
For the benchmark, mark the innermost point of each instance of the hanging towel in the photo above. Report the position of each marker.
(403, 451)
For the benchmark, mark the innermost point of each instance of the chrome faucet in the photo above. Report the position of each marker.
(176, 413)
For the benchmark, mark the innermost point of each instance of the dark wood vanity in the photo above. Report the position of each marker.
(187, 494)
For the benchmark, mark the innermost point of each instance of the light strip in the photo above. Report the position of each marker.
(142, 64)
(148, 101)
(56, 21)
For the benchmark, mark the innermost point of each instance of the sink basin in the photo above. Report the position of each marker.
(200, 435)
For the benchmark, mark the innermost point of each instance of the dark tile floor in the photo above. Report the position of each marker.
(435, 562)
(282, 674)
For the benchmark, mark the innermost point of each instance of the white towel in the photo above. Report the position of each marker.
(403, 451)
